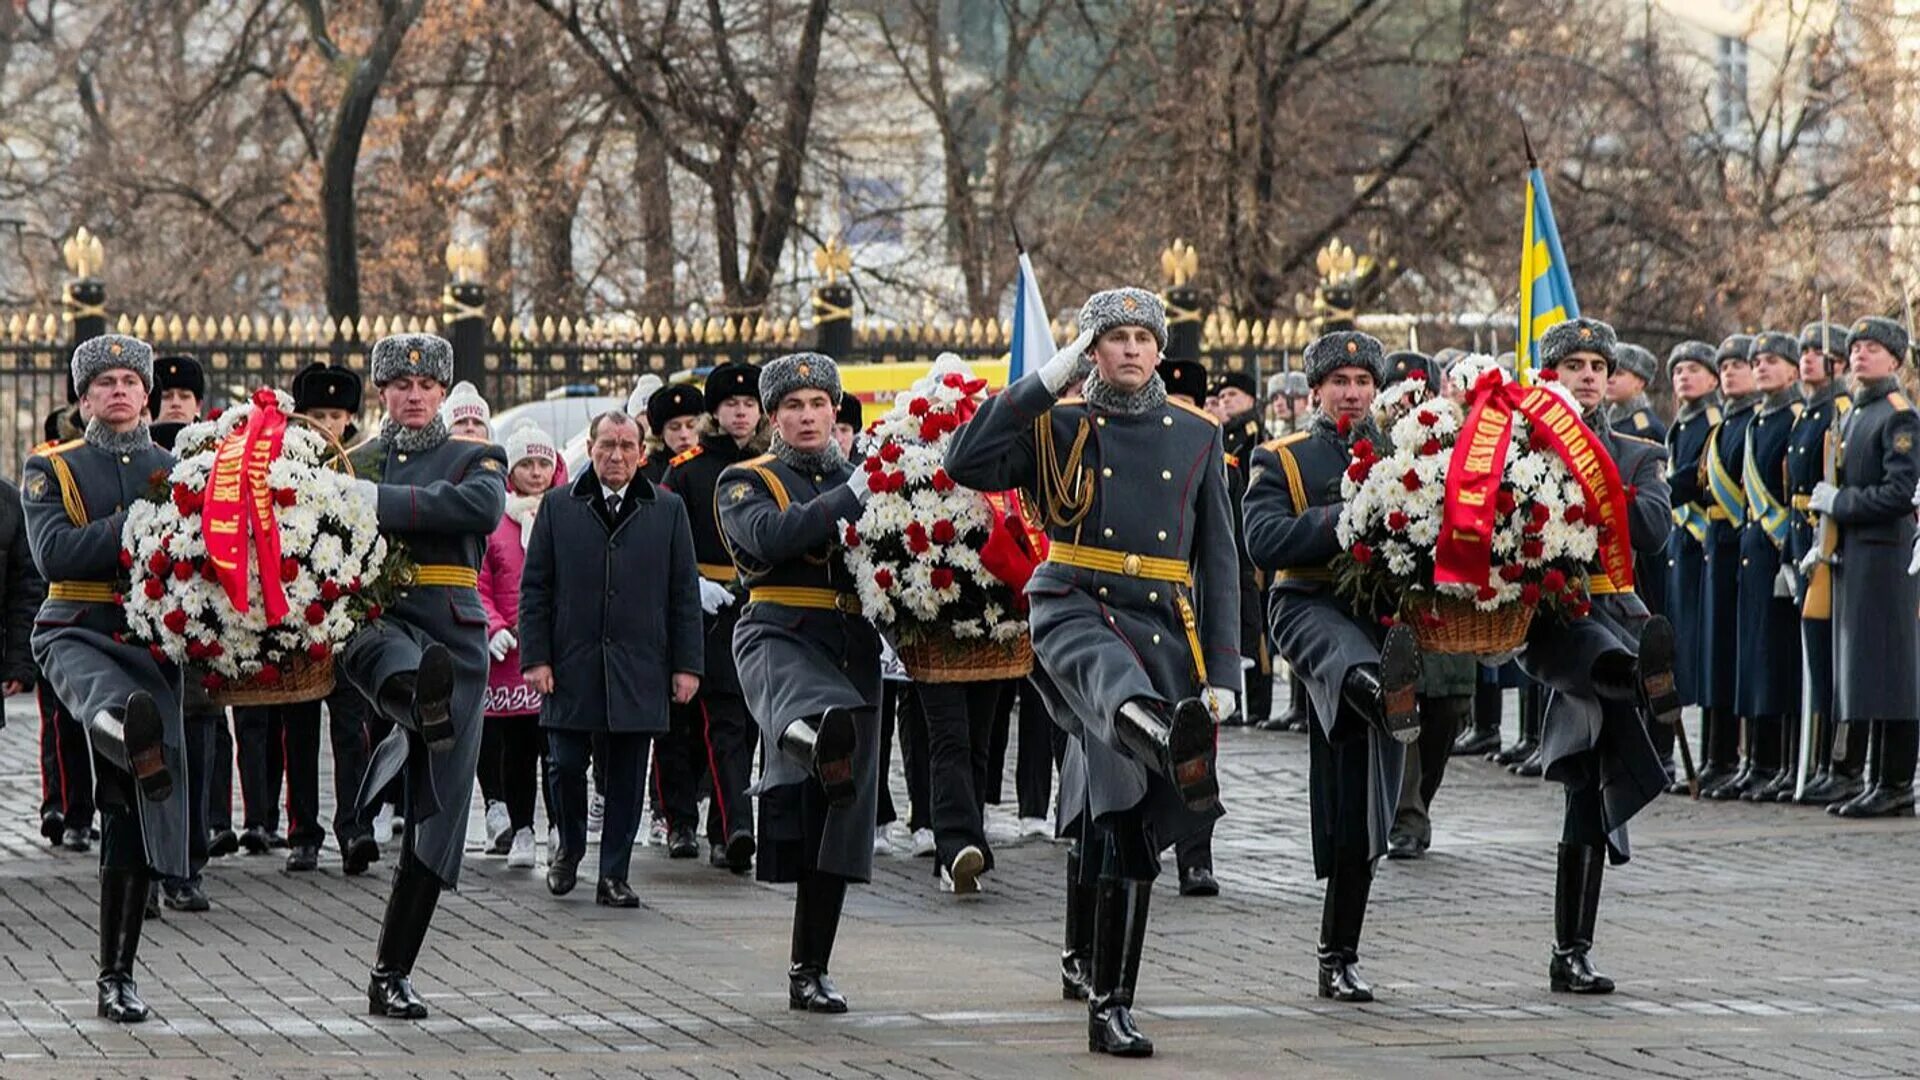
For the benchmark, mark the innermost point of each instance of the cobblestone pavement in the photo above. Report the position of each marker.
(1748, 941)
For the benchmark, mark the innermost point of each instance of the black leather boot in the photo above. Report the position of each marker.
(1387, 695)
(816, 921)
(1483, 737)
(123, 907)
(1763, 739)
(825, 746)
(1529, 730)
(1341, 914)
(410, 906)
(1176, 741)
(131, 738)
(1846, 766)
(1120, 931)
(1295, 718)
(421, 700)
(1893, 795)
(1873, 757)
(1076, 952)
(1576, 902)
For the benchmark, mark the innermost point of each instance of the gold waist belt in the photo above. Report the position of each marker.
(1150, 567)
(803, 597)
(85, 592)
(455, 577)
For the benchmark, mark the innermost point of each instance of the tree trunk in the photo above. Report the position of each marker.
(653, 180)
(770, 232)
(338, 207)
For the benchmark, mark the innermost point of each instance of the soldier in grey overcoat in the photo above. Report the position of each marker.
(1135, 616)
(808, 660)
(1876, 635)
(76, 495)
(1361, 681)
(423, 664)
(1610, 673)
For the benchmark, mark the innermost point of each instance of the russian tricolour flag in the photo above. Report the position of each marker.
(1032, 335)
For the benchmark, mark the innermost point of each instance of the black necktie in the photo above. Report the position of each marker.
(613, 505)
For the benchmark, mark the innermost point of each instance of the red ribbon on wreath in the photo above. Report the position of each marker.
(239, 502)
(1464, 554)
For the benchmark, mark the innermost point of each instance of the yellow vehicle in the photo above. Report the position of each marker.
(876, 385)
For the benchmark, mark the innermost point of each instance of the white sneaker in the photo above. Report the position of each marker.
(521, 856)
(596, 813)
(963, 877)
(499, 828)
(1036, 827)
(657, 832)
(922, 845)
(999, 832)
(881, 844)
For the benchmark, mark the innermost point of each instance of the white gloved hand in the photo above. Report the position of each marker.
(1820, 501)
(860, 484)
(1808, 561)
(501, 643)
(1913, 565)
(367, 492)
(1221, 703)
(1069, 365)
(1786, 583)
(714, 596)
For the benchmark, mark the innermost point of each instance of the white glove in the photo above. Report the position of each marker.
(501, 643)
(367, 492)
(713, 596)
(1810, 560)
(1821, 499)
(1069, 365)
(1221, 703)
(858, 484)
(1785, 582)
(1913, 565)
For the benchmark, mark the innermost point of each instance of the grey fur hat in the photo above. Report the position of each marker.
(1888, 333)
(1296, 384)
(1785, 346)
(412, 354)
(1633, 358)
(1700, 352)
(798, 371)
(1735, 347)
(1578, 335)
(1124, 307)
(108, 351)
(1835, 336)
(1345, 348)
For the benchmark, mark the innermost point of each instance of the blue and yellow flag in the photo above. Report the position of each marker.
(1546, 288)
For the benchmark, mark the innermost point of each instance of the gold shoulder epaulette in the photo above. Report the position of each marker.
(763, 459)
(1638, 439)
(1713, 414)
(686, 455)
(1284, 440)
(1195, 410)
(1071, 401)
(47, 449)
(1253, 427)
(1899, 401)
(1640, 421)
(1798, 407)
(1843, 404)
(1233, 461)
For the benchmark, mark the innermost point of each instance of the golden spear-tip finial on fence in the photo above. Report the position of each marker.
(832, 260)
(84, 253)
(1179, 262)
(466, 260)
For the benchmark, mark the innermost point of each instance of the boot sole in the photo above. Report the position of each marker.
(433, 697)
(1659, 696)
(833, 748)
(1399, 683)
(145, 752)
(1191, 743)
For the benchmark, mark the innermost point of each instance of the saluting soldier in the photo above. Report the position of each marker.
(76, 496)
(1696, 383)
(1611, 674)
(1767, 687)
(1838, 760)
(1721, 469)
(423, 664)
(1876, 633)
(1136, 628)
(809, 663)
(715, 735)
(1361, 680)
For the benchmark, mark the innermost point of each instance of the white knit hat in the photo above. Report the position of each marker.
(642, 391)
(464, 402)
(528, 441)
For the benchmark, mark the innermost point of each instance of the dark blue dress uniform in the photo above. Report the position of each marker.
(715, 733)
(1721, 467)
(1767, 689)
(1838, 758)
(1686, 550)
(1637, 418)
(75, 495)
(1876, 632)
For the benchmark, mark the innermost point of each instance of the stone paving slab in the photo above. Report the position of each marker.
(1749, 941)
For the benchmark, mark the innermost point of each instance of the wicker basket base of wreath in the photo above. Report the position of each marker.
(302, 680)
(1463, 629)
(947, 660)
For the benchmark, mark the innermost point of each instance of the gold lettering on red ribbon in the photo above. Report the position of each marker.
(239, 503)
